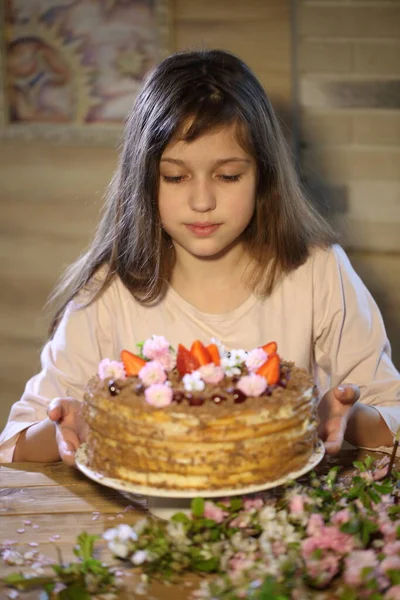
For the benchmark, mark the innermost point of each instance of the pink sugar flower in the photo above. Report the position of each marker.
(380, 473)
(393, 593)
(315, 524)
(152, 372)
(156, 346)
(339, 542)
(158, 395)
(390, 563)
(211, 511)
(388, 529)
(240, 562)
(255, 359)
(211, 373)
(296, 506)
(252, 385)
(256, 503)
(279, 548)
(167, 360)
(392, 548)
(343, 516)
(111, 369)
(243, 520)
(327, 538)
(354, 565)
(366, 475)
(323, 570)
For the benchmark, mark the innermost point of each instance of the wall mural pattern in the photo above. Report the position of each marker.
(71, 68)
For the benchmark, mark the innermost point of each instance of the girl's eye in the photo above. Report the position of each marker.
(180, 178)
(170, 179)
(230, 178)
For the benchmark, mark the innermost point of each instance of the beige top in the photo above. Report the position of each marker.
(321, 315)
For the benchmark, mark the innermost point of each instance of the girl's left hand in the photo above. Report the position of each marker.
(334, 411)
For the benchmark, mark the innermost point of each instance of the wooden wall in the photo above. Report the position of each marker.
(50, 196)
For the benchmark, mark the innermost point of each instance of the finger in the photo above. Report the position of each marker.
(58, 408)
(333, 447)
(68, 443)
(347, 394)
(333, 439)
(67, 453)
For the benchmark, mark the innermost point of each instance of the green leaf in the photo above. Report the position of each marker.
(84, 548)
(332, 476)
(139, 347)
(180, 517)
(359, 465)
(382, 488)
(75, 592)
(270, 590)
(348, 594)
(197, 507)
(367, 528)
(375, 497)
(236, 504)
(209, 565)
(394, 576)
(369, 461)
(352, 526)
(22, 583)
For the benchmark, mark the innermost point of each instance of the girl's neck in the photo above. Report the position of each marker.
(212, 285)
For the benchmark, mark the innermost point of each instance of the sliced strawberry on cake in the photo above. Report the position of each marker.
(185, 361)
(132, 363)
(271, 369)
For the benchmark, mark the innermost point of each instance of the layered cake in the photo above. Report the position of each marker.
(201, 418)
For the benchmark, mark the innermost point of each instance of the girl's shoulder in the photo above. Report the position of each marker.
(327, 259)
(102, 289)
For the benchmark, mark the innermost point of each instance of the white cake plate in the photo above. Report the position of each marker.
(165, 502)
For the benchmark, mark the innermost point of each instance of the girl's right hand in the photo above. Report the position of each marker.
(71, 428)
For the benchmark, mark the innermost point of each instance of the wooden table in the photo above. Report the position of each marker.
(51, 504)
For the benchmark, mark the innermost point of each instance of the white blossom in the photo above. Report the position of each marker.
(140, 526)
(138, 557)
(193, 382)
(229, 366)
(123, 532)
(119, 539)
(238, 356)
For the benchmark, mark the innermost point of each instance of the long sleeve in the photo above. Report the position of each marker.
(350, 340)
(68, 361)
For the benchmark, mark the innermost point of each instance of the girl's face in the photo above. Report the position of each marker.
(206, 193)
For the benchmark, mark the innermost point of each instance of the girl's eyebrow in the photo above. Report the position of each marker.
(221, 161)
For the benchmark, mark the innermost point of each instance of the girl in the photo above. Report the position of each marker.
(206, 232)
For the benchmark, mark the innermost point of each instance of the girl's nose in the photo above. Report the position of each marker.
(202, 196)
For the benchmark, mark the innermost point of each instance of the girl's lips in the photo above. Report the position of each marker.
(202, 230)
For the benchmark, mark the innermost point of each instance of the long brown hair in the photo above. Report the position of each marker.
(208, 89)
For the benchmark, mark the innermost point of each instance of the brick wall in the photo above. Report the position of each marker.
(348, 65)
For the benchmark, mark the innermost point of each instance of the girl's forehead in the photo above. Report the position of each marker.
(224, 139)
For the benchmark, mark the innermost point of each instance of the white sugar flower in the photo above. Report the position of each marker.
(123, 532)
(140, 526)
(176, 532)
(266, 515)
(119, 539)
(193, 382)
(229, 366)
(238, 356)
(139, 557)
